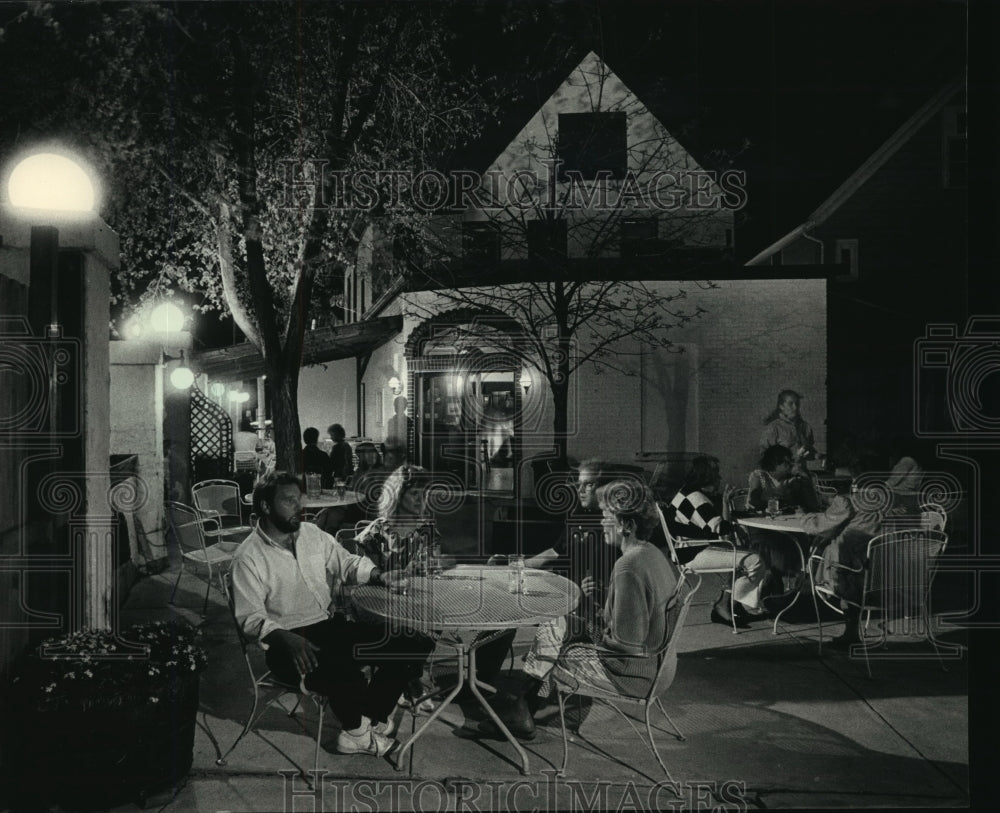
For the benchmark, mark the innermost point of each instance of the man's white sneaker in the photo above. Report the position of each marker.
(369, 742)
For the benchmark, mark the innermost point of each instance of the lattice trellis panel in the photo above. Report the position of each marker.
(211, 438)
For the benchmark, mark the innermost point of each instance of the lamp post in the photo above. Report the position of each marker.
(49, 190)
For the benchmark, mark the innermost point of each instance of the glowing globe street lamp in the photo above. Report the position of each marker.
(167, 318)
(44, 187)
(45, 190)
(51, 183)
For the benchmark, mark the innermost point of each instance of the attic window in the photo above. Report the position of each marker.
(955, 163)
(481, 242)
(590, 143)
(845, 252)
(639, 237)
(546, 238)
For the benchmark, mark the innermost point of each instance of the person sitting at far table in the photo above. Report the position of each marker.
(314, 459)
(842, 533)
(341, 455)
(694, 515)
(369, 479)
(286, 575)
(776, 480)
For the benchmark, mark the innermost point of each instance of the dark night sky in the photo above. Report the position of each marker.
(814, 87)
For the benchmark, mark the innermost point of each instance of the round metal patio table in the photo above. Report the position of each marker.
(469, 598)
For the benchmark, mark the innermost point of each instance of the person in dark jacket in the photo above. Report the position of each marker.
(314, 459)
(341, 455)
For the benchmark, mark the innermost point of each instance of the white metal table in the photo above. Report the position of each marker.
(469, 598)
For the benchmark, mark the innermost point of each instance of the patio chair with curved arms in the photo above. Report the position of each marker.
(263, 682)
(725, 545)
(933, 517)
(676, 611)
(191, 532)
(824, 492)
(221, 499)
(897, 576)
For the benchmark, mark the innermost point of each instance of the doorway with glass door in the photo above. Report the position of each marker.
(467, 427)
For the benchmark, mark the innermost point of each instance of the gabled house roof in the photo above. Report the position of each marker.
(875, 162)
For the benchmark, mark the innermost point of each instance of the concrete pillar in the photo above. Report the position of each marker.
(98, 246)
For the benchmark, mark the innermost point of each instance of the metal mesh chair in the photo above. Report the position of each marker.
(220, 499)
(897, 576)
(824, 492)
(933, 517)
(739, 499)
(677, 610)
(190, 531)
(263, 682)
(725, 545)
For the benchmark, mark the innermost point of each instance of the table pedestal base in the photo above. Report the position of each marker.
(466, 662)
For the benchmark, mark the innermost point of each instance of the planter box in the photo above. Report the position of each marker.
(103, 757)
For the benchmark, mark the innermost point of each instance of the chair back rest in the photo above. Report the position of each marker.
(900, 569)
(677, 611)
(186, 525)
(825, 491)
(220, 497)
(666, 534)
(227, 589)
(935, 508)
(933, 520)
(347, 537)
(739, 499)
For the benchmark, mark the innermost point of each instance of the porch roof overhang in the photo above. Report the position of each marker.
(692, 266)
(243, 361)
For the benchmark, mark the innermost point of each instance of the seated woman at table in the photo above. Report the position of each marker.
(694, 515)
(842, 533)
(786, 427)
(777, 480)
(403, 523)
(589, 561)
(623, 654)
(393, 540)
(906, 477)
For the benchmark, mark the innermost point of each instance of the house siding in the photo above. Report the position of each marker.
(912, 259)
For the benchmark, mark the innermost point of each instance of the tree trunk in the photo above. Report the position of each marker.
(282, 386)
(560, 419)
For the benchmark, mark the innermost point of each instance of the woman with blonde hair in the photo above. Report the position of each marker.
(623, 655)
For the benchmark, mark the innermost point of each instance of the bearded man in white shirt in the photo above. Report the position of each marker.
(286, 575)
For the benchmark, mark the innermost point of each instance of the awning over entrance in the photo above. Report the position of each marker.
(243, 361)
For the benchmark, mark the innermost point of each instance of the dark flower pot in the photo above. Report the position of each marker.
(88, 759)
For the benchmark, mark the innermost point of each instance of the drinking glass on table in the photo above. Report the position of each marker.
(313, 484)
(341, 486)
(397, 581)
(773, 508)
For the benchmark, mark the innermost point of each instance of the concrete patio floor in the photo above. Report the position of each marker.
(768, 724)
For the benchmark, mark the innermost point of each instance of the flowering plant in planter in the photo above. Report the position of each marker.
(107, 718)
(95, 669)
